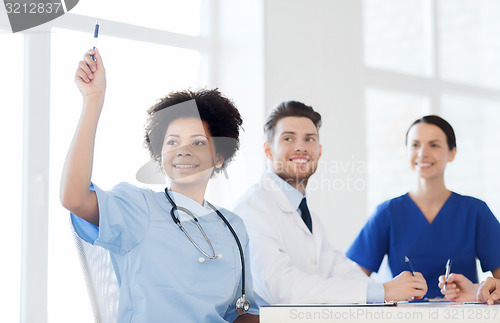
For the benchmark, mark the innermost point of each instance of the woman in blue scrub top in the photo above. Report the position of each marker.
(181, 266)
(430, 224)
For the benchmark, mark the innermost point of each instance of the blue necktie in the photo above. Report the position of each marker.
(306, 216)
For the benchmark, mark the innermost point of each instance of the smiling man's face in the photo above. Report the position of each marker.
(295, 150)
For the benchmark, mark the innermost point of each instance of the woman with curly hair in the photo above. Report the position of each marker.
(177, 257)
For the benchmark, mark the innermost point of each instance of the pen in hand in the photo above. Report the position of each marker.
(96, 34)
(410, 266)
(447, 273)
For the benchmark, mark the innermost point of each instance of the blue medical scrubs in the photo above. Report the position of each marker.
(463, 230)
(160, 277)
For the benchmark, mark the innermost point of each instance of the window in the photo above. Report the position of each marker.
(11, 131)
(433, 57)
(170, 15)
(385, 146)
(475, 169)
(396, 36)
(137, 73)
(469, 45)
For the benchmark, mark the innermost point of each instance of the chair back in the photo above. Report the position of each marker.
(100, 278)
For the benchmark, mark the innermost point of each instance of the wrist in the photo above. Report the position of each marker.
(475, 288)
(93, 98)
(93, 102)
(386, 291)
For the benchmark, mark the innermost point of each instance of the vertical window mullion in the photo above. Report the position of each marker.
(34, 251)
(434, 41)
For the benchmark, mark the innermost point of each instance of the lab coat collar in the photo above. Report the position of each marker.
(275, 191)
(274, 188)
(293, 195)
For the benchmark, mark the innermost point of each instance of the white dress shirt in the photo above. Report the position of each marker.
(291, 265)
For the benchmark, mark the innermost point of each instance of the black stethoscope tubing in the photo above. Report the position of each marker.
(178, 222)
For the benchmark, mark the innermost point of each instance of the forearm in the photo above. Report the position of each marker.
(77, 171)
(366, 271)
(247, 318)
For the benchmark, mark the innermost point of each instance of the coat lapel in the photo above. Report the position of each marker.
(277, 195)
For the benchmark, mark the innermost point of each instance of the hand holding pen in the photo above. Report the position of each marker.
(90, 76)
(96, 35)
(406, 286)
(447, 273)
(458, 288)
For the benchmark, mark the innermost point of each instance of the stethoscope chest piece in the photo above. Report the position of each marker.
(242, 305)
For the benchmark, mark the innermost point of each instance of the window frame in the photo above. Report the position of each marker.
(36, 134)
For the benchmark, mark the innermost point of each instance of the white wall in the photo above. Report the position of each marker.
(238, 67)
(313, 54)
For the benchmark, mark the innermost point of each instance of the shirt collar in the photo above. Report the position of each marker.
(293, 195)
(190, 204)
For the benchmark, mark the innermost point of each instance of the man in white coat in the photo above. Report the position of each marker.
(292, 260)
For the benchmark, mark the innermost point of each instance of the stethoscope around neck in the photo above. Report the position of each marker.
(242, 305)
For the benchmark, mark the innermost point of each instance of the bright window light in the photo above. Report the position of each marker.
(169, 15)
(388, 116)
(470, 44)
(475, 169)
(138, 73)
(11, 132)
(395, 36)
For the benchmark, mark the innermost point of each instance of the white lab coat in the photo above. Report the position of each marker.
(289, 264)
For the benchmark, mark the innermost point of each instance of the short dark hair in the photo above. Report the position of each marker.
(290, 109)
(442, 124)
(221, 115)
